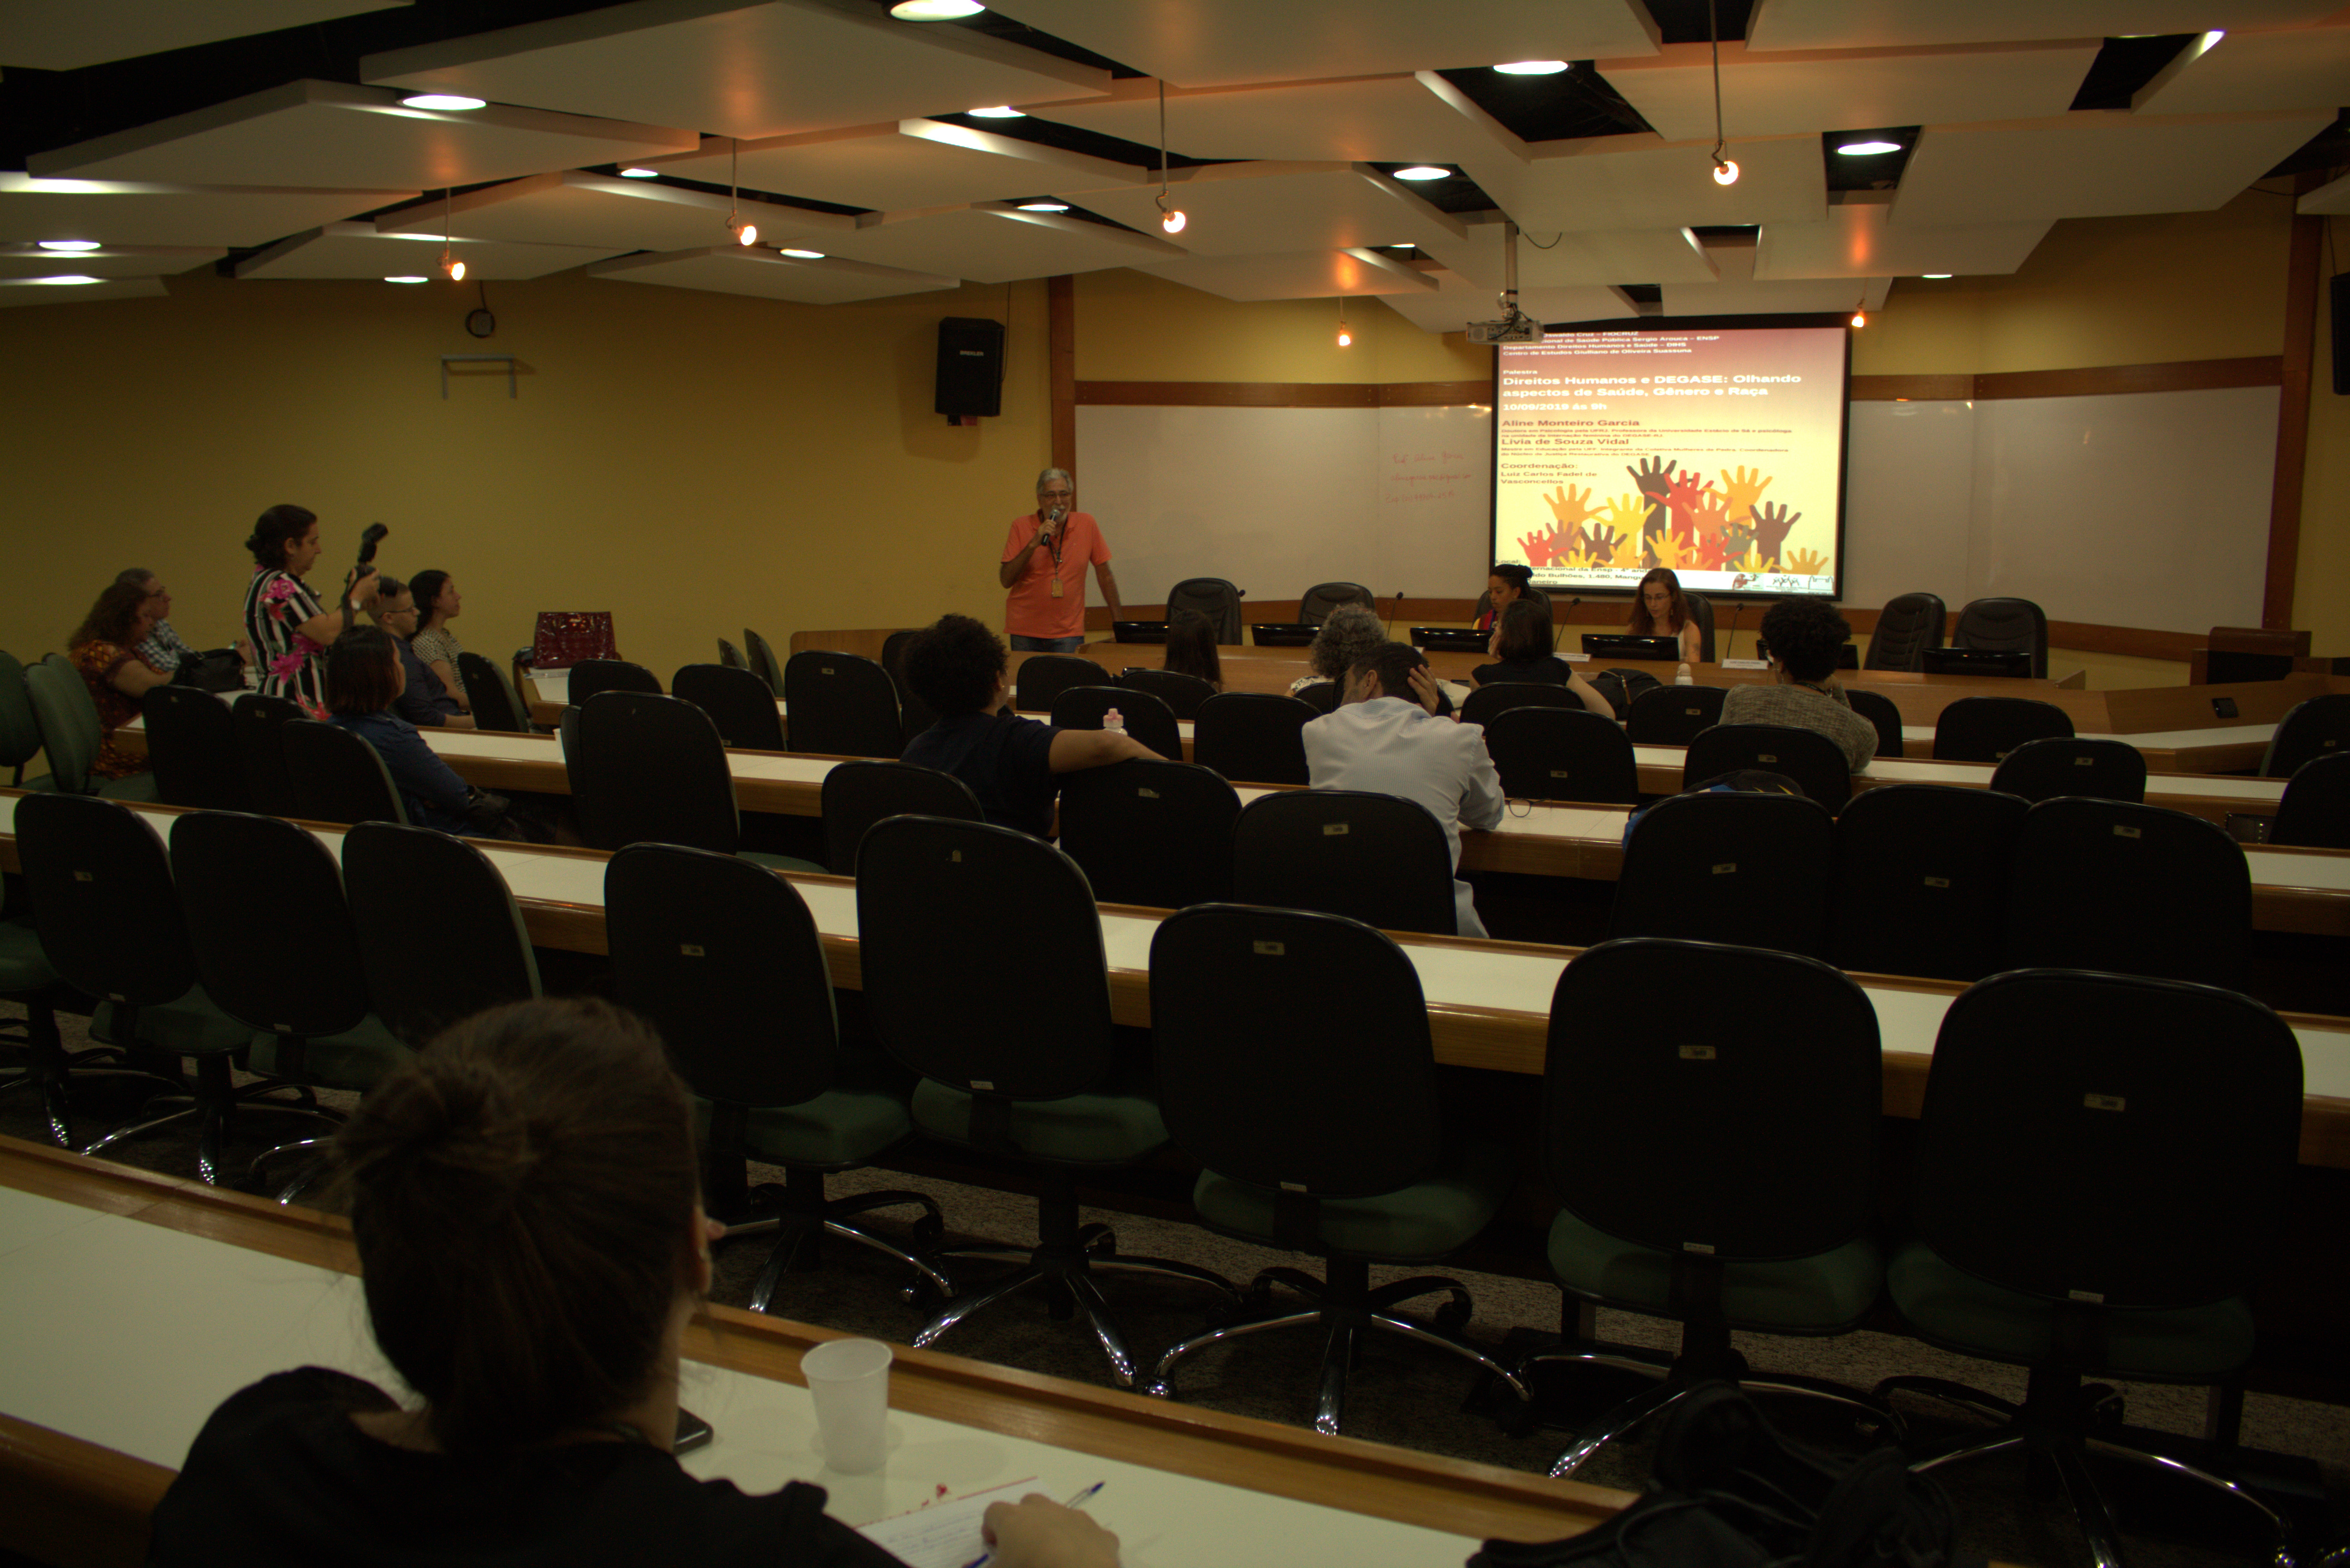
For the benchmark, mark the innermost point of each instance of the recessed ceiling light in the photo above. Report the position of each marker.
(1933, 274)
(798, 254)
(1043, 206)
(1403, 245)
(1001, 111)
(409, 278)
(1532, 68)
(639, 173)
(452, 102)
(1423, 172)
(69, 278)
(935, 10)
(1867, 149)
(69, 244)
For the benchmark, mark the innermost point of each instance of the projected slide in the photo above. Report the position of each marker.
(1717, 452)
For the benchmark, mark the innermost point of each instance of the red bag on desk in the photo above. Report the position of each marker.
(564, 638)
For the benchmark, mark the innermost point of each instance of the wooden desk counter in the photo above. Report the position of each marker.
(106, 1413)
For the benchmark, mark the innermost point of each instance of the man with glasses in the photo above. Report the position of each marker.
(1043, 568)
(424, 700)
(163, 648)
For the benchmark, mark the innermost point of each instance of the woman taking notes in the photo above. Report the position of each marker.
(532, 1240)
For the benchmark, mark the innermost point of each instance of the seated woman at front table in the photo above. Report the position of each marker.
(437, 603)
(1013, 764)
(1660, 610)
(1506, 584)
(1521, 648)
(287, 626)
(364, 679)
(532, 1248)
(104, 649)
(1805, 636)
(1191, 649)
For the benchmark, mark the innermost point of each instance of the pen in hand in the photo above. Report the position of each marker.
(1077, 1502)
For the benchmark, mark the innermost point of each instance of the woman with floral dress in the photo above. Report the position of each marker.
(288, 627)
(105, 649)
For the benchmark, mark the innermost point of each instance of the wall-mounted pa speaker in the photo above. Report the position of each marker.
(971, 366)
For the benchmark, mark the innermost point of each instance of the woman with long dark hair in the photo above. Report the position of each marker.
(1660, 610)
(288, 626)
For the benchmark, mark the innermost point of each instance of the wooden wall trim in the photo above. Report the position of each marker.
(1912, 389)
(2091, 380)
(1061, 367)
(1285, 394)
(2292, 413)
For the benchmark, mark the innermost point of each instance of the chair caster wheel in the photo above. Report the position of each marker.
(921, 1295)
(1452, 1316)
(928, 1230)
(1519, 1418)
(1158, 1388)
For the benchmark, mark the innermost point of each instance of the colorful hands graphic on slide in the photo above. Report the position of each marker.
(1570, 506)
(1677, 519)
(1542, 549)
(1744, 489)
(1770, 528)
(1655, 479)
(1807, 562)
(1626, 514)
(1597, 545)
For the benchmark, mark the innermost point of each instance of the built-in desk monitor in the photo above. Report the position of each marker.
(1138, 630)
(1617, 645)
(1284, 634)
(1977, 661)
(1450, 639)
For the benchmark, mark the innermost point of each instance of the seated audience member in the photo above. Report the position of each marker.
(533, 1247)
(163, 648)
(437, 603)
(1505, 585)
(1191, 647)
(1011, 764)
(1804, 636)
(1522, 651)
(424, 701)
(1346, 634)
(104, 649)
(1385, 737)
(364, 682)
(1661, 610)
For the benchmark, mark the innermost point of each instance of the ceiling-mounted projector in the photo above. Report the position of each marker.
(1515, 328)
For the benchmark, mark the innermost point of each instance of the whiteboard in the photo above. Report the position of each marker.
(2146, 509)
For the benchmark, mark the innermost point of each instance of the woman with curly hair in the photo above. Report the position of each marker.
(104, 648)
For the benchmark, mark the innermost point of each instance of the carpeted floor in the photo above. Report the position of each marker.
(1419, 1397)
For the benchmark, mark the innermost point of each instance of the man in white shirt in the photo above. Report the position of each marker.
(1385, 737)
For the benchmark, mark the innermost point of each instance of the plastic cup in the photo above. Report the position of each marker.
(850, 1381)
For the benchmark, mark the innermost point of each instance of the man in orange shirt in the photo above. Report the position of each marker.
(1044, 560)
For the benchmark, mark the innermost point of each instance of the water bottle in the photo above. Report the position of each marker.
(1114, 721)
(1681, 676)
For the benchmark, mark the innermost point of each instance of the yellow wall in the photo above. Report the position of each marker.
(1132, 327)
(2321, 604)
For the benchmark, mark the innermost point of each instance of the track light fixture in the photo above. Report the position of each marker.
(1346, 339)
(1725, 173)
(1860, 312)
(1171, 219)
(449, 262)
(744, 234)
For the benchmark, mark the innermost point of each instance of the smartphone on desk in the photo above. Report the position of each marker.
(692, 1432)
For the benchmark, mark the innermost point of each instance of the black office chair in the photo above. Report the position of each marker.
(652, 769)
(1042, 676)
(1681, 1194)
(192, 747)
(842, 705)
(730, 655)
(440, 936)
(20, 732)
(724, 961)
(1322, 696)
(1816, 764)
(917, 714)
(1147, 718)
(1181, 694)
(2133, 890)
(1673, 715)
(763, 661)
(337, 776)
(1906, 628)
(71, 734)
(1563, 753)
(1985, 729)
(2315, 728)
(1029, 1073)
(1377, 859)
(593, 676)
(1486, 701)
(1158, 834)
(260, 723)
(1921, 874)
(737, 702)
(1700, 611)
(2006, 626)
(39, 1060)
(490, 693)
(1214, 598)
(1729, 868)
(2101, 1175)
(2315, 811)
(1315, 606)
(857, 794)
(1253, 737)
(1328, 1140)
(1879, 711)
(2045, 769)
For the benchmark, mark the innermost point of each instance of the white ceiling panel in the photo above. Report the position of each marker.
(115, 261)
(1250, 209)
(1574, 261)
(2328, 200)
(92, 32)
(895, 167)
(1737, 292)
(994, 244)
(362, 251)
(1300, 274)
(1455, 302)
(1362, 119)
(1208, 43)
(1893, 24)
(1644, 182)
(2092, 164)
(720, 66)
(755, 270)
(123, 213)
(1857, 242)
(1783, 94)
(572, 208)
(43, 291)
(330, 133)
(2301, 68)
